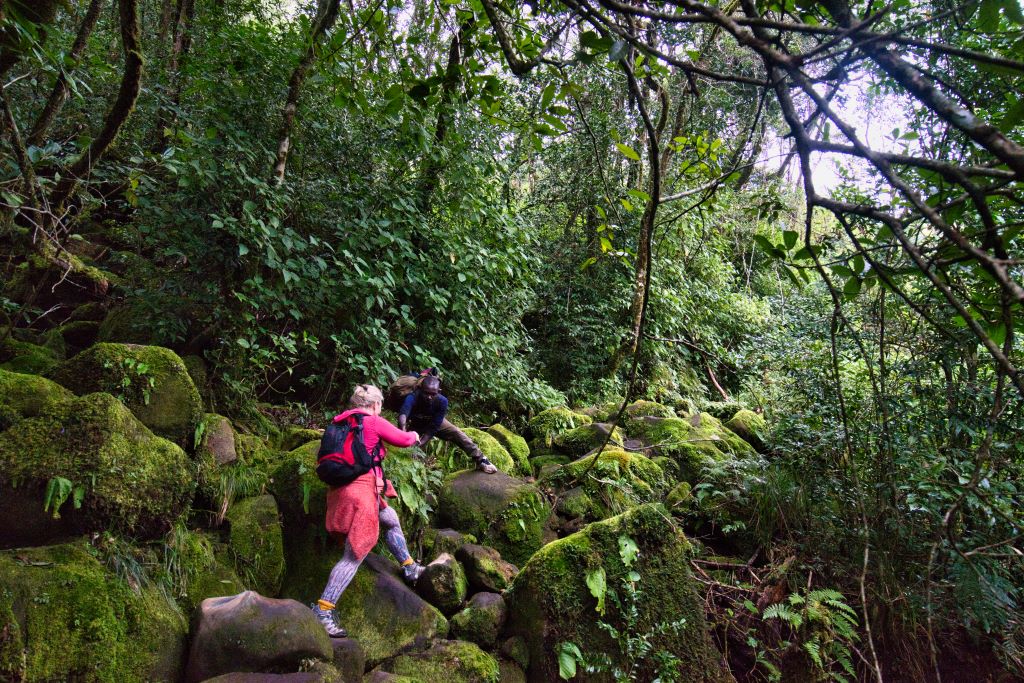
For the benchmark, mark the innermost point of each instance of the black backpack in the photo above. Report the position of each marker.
(343, 455)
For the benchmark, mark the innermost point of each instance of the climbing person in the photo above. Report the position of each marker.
(357, 510)
(424, 410)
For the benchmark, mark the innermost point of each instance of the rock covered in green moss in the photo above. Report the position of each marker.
(493, 450)
(722, 410)
(248, 632)
(125, 478)
(545, 463)
(349, 659)
(294, 436)
(196, 573)
(217, 440)
(749, 426)
(617, 481)
(548, 424)
(26, 357)
(78, 334)
(485, 569)
(482, 620)
(127, 324)
(515, 445)
(693, 442)
(64, 617)
(443, 584)
(151, 380)
(256, 543)
(24, 396)
(500, 511)
(639, 409)
(384, 614)
(550, 600)
(448, 661)
(437, 541)
(679, 497)
(586, 438)
(58, 280)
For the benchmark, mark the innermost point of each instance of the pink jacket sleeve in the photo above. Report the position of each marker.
(392, 434)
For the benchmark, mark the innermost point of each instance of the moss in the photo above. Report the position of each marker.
(502, 512)
(636, 479)
(191, 570)
(493, 450)
(648, 409)
(63, 617)
(256, 543)
(723, 410)
(26, 357)
(60, 280)
(679, 497)
(151, 380)
(693, 442)
(133, 481)
(515, 445)
(78, 335)
(548, 424)
(541, 461)
(580, 440)
(481, 621)
(549, 598)
(452, 661)
(437, 541)
(293, 436)
(749, 426)
(383, 615)
(28, 395)
(196, 367)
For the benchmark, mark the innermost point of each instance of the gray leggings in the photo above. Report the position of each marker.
(346, 568)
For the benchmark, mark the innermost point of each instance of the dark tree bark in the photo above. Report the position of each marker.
(59, 94)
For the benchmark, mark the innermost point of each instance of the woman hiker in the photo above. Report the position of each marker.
(356, 511)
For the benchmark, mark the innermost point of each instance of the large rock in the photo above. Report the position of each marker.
(749, 426)
(256, 543)
(482, 620)
(248, 632)
(63, 617)
(384, 614)
(449, 661)
(90, 451)
(438, 541)
(26, 357)
(485, 570)
(639, 409)
(635, 480)
(217, 440)
(500, 511)
(493, 451)
(515, 445)
(693, 442)
(349, 659)
(583, 439)
(550, 602)
(548, 424)
(151, 380)
(55, 281)
(443, 584)
(24, 396)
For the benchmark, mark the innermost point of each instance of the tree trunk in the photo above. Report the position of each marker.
(59, 94)
(325, 20)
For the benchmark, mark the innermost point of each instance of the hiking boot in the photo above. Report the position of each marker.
(412, 572)
(327, 619)
(484, 465)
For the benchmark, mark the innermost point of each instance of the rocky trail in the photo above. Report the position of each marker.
(142, 538)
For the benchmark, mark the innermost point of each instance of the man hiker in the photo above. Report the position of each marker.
(424, 411)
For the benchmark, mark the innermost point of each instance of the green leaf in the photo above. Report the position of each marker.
(597, 583)
(765, 244)
(789, 238)
(628, 151)
(242, 250)
(1014, 115)
(988, 16)
(852, 287)
(628, 550)
(568, 654)
(547, 96)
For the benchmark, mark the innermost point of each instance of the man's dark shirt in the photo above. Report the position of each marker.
(424, 417)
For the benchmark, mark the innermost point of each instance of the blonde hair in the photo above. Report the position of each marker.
(364, 396)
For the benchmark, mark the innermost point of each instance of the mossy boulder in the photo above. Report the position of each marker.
(294, 436)
(384, 614)
(78, 334)
(515, 445)
(151, 380)
(128, 324)
(586, 438)
(64, 617)
(27, 358)
(544, 463)
(492, 450)
(248, 632)
(693, 442)
(749, 426)
(125, 478)
(639, 409)
(197, 573)
(50, 280)
(438, 541)
(256, 543)
(500, 511)
(722, 410)
(482, 620)
(548, 424)
(443, 584)
(485, 569)
(448, 661)
(550, 599)
(635, 479)
(217, 440)
(24, 396)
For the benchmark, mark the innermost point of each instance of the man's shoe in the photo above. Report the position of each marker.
(327, 619)
(484, 465)
(412, 572)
